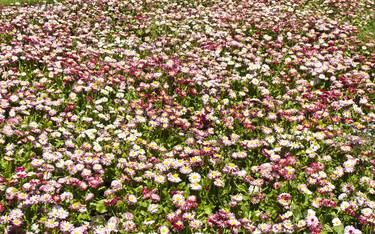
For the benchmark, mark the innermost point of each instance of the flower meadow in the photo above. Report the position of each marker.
(182, 116)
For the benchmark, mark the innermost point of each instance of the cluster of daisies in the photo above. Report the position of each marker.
(182, 116)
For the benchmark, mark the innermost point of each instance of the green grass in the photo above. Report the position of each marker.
(22, 2)
(367, 32)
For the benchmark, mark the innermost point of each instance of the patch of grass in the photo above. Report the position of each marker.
(22, 2)
(367, 32)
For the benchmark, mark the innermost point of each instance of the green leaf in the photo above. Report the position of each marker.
(339, 229)
(100, 207)
(327, 228)
(208, 210)
(297, 212)
(83, 217)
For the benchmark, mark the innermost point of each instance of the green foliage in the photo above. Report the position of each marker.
(24, 2)
(367, 32)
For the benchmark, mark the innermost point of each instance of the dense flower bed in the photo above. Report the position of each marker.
(186, 116)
